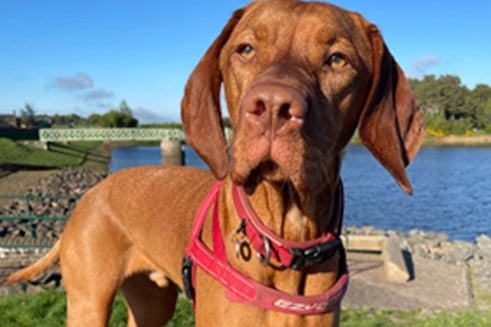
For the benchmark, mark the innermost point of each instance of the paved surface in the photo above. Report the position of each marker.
(435, 285)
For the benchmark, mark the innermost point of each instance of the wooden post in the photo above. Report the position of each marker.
(172, 152)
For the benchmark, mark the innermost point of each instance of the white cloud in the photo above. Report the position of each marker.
(422, 65)
(145, 116)
(97, 95)
(78, 82)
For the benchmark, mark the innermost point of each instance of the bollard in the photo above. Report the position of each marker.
(172, 152)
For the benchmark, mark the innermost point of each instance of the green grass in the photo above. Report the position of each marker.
(59, 155)
(381, 318)
(47, 309)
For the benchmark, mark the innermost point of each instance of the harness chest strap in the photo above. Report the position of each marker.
(242, 289)
(291, 254)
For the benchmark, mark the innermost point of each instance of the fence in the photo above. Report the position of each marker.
(29, 220)
(113, 134)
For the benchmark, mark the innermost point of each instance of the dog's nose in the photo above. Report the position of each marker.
(278, 108)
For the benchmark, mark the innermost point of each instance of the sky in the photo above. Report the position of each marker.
(86, 56)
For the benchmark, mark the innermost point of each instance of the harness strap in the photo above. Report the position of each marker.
(296, 255)
(242, 289)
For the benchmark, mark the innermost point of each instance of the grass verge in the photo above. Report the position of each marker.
(47, 309)
(60, 155)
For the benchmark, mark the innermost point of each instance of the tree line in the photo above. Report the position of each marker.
(451, 107)
(121, 116)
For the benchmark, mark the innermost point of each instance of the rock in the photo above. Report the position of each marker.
(460, 251)
(483, 241)
(434, 238)
(422, 251)
(431, 242)
(484, 253)
(70, 182)
(394, 263)
(415, 233)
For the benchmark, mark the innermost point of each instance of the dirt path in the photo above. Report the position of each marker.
(435, 286)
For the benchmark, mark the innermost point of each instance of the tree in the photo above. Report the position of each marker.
(95, 120)
(116, 118)
(481, 95)
(125, 109)
(449, 105)
(485, 113)
(28, 115)
(68, 120)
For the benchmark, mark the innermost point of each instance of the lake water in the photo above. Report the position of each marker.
(452, 191)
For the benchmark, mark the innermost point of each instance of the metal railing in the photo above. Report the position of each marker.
(27, 215)
(113, 134)
(109, 134)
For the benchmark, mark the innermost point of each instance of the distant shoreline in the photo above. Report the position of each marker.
(450, 140)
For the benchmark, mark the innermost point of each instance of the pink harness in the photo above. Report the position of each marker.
(296, 255)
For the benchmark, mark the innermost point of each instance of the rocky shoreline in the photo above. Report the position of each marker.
(476, 256)
(54, 196)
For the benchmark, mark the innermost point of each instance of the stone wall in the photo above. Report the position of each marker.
(67, 183)
(436, 246)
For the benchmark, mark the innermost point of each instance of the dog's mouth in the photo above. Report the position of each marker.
(260, 157)
(267, 170)
(270, 171)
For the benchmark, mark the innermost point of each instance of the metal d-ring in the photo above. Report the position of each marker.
(264, 259)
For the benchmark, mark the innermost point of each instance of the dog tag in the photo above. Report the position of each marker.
(237, 245)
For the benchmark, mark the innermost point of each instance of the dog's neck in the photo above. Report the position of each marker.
(290, 216)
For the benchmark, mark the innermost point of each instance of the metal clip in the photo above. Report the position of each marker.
(238, 246)
(238, 238)
(187, 277)
(241, 228)
(264, 259)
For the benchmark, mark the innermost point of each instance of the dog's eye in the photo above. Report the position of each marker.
(336, 61)
(247, 51)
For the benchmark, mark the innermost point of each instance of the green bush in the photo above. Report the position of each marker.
(488, 128)
(449, 126)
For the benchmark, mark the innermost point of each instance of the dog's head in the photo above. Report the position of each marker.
(299, 79)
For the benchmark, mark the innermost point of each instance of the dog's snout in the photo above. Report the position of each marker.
(275, 107)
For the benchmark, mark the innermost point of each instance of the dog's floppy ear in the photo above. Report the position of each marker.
(200, 106)
(391, 124)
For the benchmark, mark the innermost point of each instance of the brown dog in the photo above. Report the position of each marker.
(299, 78)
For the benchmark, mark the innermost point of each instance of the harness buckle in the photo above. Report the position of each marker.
(187, 277)
(238, 238)
(313, 255)
(264, 259)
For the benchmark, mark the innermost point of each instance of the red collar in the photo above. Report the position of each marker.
(296, 255)
(240, 288)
